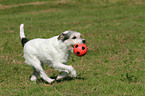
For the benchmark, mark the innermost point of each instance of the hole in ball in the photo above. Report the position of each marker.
(76, 46)
(83, 48)
(78, 53)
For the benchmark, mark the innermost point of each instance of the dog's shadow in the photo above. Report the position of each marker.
(68, 78)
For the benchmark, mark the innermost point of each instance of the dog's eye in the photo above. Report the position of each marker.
(74, 37)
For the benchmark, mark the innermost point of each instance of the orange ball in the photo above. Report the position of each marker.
(80, 49)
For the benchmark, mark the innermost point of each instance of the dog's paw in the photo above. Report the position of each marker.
(33, 78)
(73, 74)
(50, 81)
(62, 76)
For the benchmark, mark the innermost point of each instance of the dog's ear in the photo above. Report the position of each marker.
(63, 37)
(60, 37)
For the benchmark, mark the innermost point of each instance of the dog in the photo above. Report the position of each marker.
(53, 51)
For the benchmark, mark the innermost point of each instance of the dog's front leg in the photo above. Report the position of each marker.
(63, 75)
(66, 69)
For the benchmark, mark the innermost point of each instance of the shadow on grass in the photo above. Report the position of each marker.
(68, 78)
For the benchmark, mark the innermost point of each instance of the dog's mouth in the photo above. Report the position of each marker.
(72, 46)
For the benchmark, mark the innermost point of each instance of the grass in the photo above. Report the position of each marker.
(115, 34)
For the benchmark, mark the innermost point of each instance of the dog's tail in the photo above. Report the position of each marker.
(24, 40)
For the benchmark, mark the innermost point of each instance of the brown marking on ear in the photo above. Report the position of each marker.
(63, 37)
(60, 37)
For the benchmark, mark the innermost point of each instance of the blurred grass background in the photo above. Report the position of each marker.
(115, 34)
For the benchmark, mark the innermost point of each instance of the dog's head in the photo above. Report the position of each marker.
(70, 38)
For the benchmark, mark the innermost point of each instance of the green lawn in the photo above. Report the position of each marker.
(115, 34)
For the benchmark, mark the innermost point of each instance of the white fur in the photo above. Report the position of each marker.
(50, 51)
(22, 31)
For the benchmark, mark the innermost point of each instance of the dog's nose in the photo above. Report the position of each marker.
(84, 41)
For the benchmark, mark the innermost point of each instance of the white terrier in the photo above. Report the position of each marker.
(54, 51)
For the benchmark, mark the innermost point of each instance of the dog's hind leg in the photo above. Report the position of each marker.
(35, 75)
(34, 61)
(43, 75)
